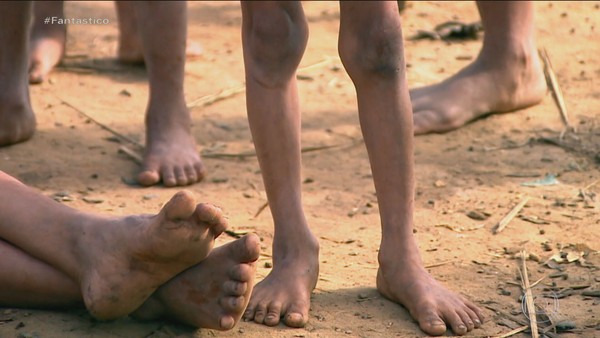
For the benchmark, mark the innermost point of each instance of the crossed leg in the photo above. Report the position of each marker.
(506, 75)
(115, 263)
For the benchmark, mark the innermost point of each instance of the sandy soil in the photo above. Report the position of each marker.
(478, 170)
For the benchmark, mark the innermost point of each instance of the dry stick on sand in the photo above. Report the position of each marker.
(552, 82)
(513, 332)
(528, 296)
(504, 222)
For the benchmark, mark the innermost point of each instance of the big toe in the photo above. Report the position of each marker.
(432, 324)
(181, 206)
(295, 318)
(148, 178)
(246, 249)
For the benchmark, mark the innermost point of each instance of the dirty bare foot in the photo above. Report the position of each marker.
(171, 155)
(285, 292)
(404, 280)
(484, 87)
(47, 40)
(212, 294)
(125, 260)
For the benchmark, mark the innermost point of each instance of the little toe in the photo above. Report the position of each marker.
(36, 74)
(190, 174)
(200, 171)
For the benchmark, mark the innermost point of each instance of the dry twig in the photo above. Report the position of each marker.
(504, 222)
(552, 82)
(526, 287)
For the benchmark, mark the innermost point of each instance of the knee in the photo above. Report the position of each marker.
(373, 52)
(274, 42)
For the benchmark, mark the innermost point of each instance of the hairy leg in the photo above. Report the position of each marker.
(506, 75)
(117, 262)
(47, 40)
(212, 294)
(373, 55)
(171, 155)
(17, 121)
(274, 36)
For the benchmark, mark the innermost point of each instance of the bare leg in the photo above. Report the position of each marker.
(372, 52)
(171, 154)
(274, 36)
(214, 293)
(506, 76)
(47, 41)
(221, 285)
(17, 121)
(117, 262)
(130, 46)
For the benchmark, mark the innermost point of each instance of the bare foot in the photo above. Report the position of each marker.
(126, 260)
(171, 155)
(47, 40)
(285, 292)
(212, 294)
(17, 120)
(480, 89)
(429, 303)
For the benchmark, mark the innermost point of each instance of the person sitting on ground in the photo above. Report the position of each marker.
(57, 257)
(274, 37)
(170, 154)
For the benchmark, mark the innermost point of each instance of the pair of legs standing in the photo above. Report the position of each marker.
(507, 75)
(145, 265)
(170, 156)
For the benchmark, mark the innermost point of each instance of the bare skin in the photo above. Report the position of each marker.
(116, 262)
(507, 75)
(221, 283)
(214, 293)
(274, 37)
(17, 121)
(47, 41)
(170, 156)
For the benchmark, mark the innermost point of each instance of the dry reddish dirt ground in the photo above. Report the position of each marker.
(477, 170)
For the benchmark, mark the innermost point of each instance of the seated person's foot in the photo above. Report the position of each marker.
(212, 294)
(127, 259)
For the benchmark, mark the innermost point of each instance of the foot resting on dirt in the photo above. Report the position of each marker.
(480, 89)
(212, 294)
(433, 306)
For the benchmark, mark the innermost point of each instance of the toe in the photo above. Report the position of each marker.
(191, 175)
(296, 316)
(273, 314)
(431, 323)
(456, 323)
(168, 177)
(226, 323)
(249, 313)
(260, 313)
(200, 171)
(233, 304)
(181, 206)
(180, 176)
(234, 288)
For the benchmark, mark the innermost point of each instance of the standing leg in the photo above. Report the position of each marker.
(506, 76)
(171, 154)
(372, 53)
(130, 49)
(274, 36)
(17, 121)
(47, 41)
